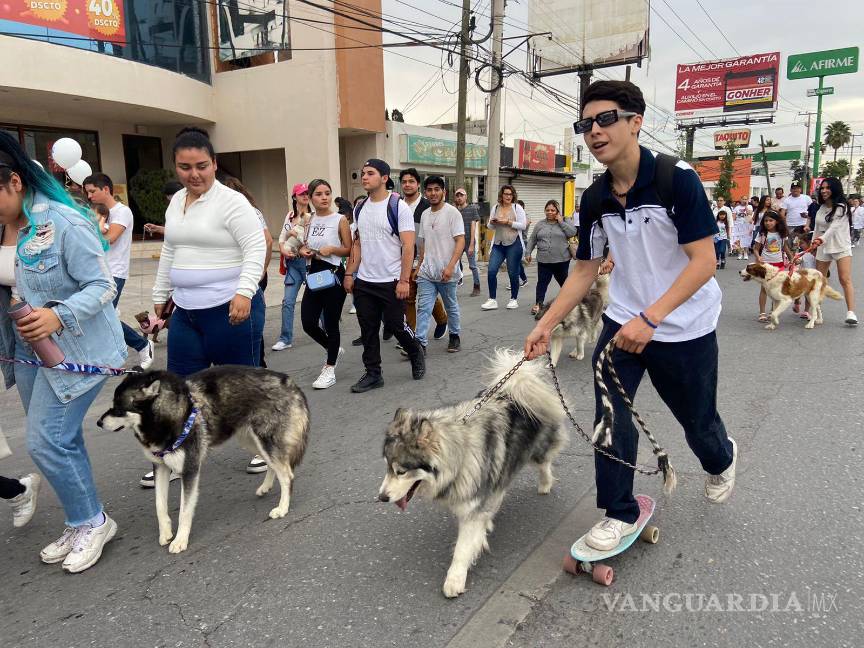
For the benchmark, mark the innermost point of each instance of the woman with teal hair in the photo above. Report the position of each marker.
(59, 268)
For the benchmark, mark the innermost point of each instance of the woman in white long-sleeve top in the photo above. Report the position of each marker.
(509, 221)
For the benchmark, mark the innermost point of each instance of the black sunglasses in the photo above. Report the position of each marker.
(603, 119)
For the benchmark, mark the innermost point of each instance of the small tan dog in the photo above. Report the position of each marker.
(785, 289)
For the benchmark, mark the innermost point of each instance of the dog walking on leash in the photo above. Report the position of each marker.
(664, 303)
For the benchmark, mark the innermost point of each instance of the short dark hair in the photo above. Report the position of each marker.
(627, 95)
(412, 172)
(102, 210)
(434, 180)
(192, 137)
(171, 187)
(99, 180)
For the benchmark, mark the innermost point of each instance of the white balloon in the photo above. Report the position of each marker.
(79, 172)
(66, 152)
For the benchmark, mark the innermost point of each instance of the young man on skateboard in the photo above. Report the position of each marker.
(663, 300)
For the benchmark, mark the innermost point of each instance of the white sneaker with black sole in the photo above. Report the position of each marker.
(851, 319)
(149, 480)
(257, 465)
(88, 544)
(145, 355)
(281, 346)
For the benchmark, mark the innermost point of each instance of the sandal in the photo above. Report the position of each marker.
(763, 317)
(535, 309)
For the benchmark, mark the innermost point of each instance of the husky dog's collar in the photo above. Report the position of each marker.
(187, 427)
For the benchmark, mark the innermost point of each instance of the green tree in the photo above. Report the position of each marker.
(798, 171)
(837, 135)
(839, 169)
(770, 142)
(725, 184)
(145, 188)
(859, 178)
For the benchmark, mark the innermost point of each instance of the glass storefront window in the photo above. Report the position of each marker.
(37, 142)
(171, 34)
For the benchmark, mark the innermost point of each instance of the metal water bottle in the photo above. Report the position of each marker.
(49, 353)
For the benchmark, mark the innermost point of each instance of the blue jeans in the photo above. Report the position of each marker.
(427, 291)
(55, 439)
(294, 277)
(472, 264)
(720, 249)
(512, 254)
(204, 337)
(685, 376)
(130, 336)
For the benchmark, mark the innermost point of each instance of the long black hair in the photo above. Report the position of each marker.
(35, 179)
(838, 198)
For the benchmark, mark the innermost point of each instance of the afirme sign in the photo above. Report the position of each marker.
(817, 64)
(739, 136)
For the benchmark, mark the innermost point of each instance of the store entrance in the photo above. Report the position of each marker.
(141, 153)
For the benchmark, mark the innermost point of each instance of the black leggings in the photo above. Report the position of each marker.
(329, 302)
(545, 272)
(10, 488)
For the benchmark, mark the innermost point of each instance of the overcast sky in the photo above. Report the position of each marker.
(752, 27)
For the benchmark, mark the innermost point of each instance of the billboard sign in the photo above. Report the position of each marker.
(535, 155)
(431, 151)
(96, 19)
(743, 84)
(587, 32)
(739, 136)
(817, 64)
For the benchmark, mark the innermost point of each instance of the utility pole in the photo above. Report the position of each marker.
(817, 142)
(765, 164)
(852, 161)
(805, 186)
(493, 165)
(463, 95)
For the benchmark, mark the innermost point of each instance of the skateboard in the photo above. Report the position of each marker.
(583, 558)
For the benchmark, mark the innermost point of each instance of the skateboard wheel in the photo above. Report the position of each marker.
(571, 566)
(603, 575)
(650, 534)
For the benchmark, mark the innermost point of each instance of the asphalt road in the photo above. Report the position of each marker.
(344, 570)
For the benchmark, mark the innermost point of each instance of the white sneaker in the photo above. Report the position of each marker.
(24, 505)
(256, 465)
(353, 310)
(145, 355)
(88, 544)
(149, 480)
(607, 534)
(326, 379)
(512, 304)
(281, 346)
(851, 318)
(60, 548)
(490, 304)
(718, 488)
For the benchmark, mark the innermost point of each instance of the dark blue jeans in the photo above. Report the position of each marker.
(720, 248)
(131, 336)
(512, 254)
(545, 272)
(685, 376)
(204, 337)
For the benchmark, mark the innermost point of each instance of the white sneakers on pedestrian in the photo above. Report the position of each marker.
(145, 355)
(24, 505)
(607, 534)
(851, 318)
(87, 545)
(490, 304)
(149, 480)
(79, 548)
(718, 488)
(512, 304)
(326, 379)
(257, 465)
(281, 346)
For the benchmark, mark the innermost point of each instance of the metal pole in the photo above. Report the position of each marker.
(493, 167)
(805, 186)
(765, 164)
(690, 134)
(463, 96)
(584, 82)
(817, 142)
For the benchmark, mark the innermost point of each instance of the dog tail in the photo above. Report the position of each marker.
(833, 294)
(528, 387)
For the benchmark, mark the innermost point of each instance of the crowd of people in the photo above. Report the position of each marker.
(400, 258)
(794, 230)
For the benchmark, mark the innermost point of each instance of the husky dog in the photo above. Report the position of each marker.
(582, 323)
(784, 289)
(177, 420)
(467, 462)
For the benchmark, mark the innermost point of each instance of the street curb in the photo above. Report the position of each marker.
(492, 625)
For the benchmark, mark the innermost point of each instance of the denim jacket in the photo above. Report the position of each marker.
(71, 277)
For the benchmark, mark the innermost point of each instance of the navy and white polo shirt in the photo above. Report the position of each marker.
(646, 244)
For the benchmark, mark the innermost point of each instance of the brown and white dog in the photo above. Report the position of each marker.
(784, 289)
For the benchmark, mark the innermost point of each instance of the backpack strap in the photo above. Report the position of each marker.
(393, 213)
(358, 208)
(664, 175)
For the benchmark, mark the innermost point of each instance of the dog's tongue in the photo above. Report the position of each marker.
(402, 503)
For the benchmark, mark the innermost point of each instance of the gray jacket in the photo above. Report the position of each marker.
(550, 239)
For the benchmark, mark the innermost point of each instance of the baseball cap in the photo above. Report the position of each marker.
(300, 188)
(461, 191)
(379, 165)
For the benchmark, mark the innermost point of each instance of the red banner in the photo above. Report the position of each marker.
(731, 85)
(535, 155)
(96, 19)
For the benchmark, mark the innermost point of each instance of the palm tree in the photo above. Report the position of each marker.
(770, 142)
(837, 135)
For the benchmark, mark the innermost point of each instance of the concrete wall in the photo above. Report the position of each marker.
(360, 71)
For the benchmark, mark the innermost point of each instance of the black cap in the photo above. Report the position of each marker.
(379, 165)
